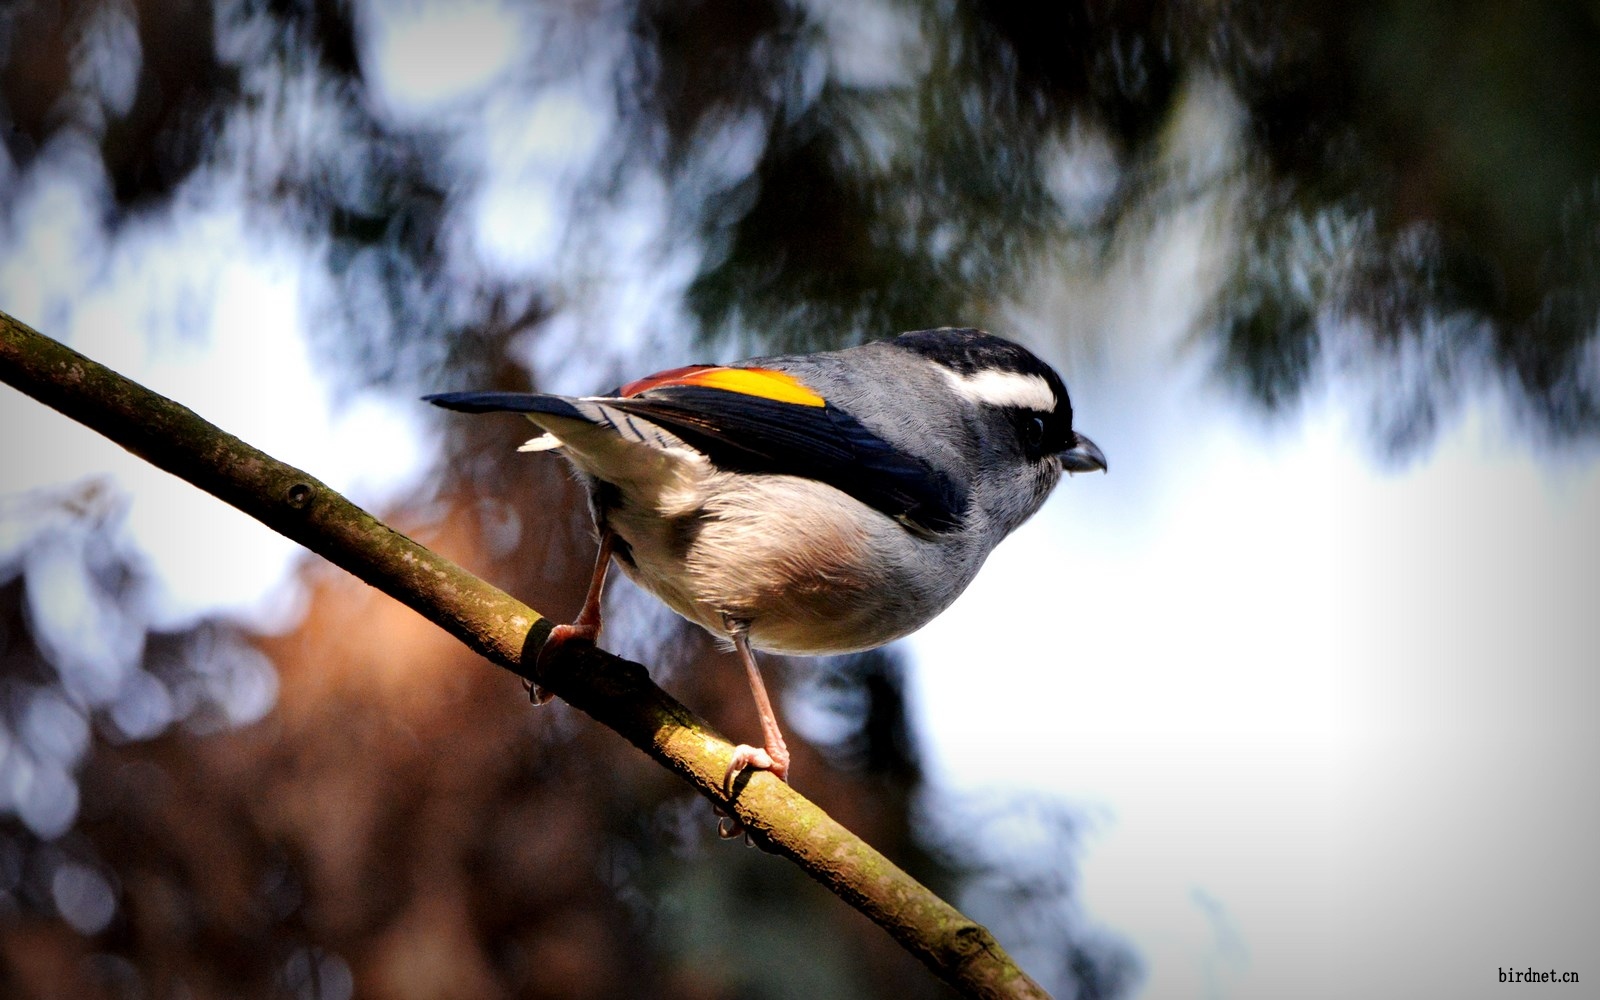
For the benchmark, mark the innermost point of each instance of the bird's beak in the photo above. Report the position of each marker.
(1083, 456)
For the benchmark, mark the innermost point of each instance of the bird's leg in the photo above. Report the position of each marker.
(586, 627)
(774, 756)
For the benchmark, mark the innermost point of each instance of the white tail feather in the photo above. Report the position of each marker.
(544, 442)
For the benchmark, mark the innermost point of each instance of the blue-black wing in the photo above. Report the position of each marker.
(742, 432)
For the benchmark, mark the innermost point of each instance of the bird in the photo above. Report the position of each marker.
(808, 504)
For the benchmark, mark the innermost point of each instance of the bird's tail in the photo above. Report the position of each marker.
(526, 403)
(587, 424)
(506, 402)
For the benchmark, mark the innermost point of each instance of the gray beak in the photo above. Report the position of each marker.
(1083, 456)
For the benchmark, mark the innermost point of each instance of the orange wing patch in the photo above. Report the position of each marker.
(763, 382)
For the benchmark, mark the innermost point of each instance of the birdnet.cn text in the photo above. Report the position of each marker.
(1530, 975)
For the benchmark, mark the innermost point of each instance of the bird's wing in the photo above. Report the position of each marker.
(759, 420)
(750, 420)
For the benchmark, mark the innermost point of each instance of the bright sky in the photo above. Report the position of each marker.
(1331, 719)
(1291, 684)
(132, 307)
(1312, 702)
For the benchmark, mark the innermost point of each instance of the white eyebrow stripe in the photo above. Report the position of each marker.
(996, 388)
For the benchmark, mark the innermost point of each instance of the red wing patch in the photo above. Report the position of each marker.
(672, 376)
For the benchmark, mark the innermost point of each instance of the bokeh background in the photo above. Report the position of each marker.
(1299, 700)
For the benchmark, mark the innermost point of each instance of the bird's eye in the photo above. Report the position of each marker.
(1033, 432)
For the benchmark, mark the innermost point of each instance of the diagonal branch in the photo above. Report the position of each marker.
(616, 692)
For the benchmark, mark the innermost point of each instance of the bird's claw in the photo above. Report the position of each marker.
(728, 825)
(744, 758)
(537, 696)
(554, 644)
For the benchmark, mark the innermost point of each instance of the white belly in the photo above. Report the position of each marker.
(811, 570)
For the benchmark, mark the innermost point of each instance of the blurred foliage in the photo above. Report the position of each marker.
(1458, 135)
(914, 190)
(1422, 207)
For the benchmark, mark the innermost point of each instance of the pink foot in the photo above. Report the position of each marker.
(558, 639)
(744, 758)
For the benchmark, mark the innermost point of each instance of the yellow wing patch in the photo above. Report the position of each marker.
(763, 382)
(767, 383)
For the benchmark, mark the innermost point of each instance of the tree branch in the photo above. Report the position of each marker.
(616, 692)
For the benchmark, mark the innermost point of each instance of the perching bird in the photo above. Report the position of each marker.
(813, 503)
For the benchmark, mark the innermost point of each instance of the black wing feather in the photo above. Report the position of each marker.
(745, 433)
